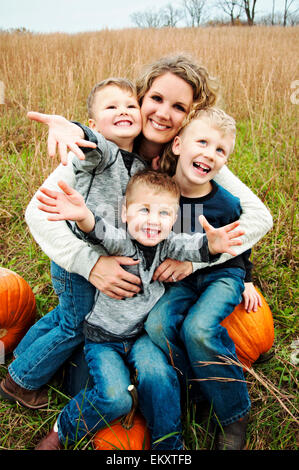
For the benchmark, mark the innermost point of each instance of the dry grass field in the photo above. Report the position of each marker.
(257, 69)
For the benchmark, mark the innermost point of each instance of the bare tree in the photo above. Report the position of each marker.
(231, 8)
(293, 19)
(249, 8)
(171, 15)
(273, 13)
(194, 11)
(287, 13)
(147, 19)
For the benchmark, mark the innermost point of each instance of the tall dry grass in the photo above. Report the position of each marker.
(56, 72)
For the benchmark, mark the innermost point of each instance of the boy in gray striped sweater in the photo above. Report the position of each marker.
(150, 210)
(113, 326)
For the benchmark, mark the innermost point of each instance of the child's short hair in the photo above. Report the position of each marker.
(121, 83)
(155, 180)
(217, 118)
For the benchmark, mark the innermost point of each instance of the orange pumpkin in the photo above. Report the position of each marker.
(17, 308)
(252, 333)
(130, 433)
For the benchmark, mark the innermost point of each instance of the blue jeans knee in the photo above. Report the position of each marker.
(53, 338)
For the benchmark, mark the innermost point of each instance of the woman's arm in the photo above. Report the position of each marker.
(74, 255)
(56, 239)
(255, 219)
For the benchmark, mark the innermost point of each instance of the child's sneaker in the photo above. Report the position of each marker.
(50, 442)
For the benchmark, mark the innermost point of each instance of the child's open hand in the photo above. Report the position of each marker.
(220, 240)
(251, 298)
(66, 205)
(62, 134)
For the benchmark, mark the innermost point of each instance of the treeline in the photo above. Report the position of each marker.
(194, 13)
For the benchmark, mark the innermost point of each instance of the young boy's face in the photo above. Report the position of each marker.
(203, 149)
(150, 215)
(116, 116)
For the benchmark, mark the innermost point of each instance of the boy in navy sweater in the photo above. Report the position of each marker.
(186, 322)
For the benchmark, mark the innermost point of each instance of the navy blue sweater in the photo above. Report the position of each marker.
(220, 208)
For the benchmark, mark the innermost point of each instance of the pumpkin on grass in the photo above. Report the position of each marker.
(252, 333)
(17, 308)
(129, 433)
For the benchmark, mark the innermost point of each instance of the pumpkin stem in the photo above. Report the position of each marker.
(3, 332)
(128, 420)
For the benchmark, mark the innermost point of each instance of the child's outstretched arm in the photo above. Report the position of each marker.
(66, 205)
(220, 240)
(63, 135)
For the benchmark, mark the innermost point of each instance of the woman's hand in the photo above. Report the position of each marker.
(111, 279)
(172, 270)
(251, 298)
(62, 134)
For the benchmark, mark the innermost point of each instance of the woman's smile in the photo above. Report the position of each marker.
(158, 126)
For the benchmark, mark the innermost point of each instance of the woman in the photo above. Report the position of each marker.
(166, 92)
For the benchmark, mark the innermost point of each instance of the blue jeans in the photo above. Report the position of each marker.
(108, 399)
(53, 338)
(186, 321)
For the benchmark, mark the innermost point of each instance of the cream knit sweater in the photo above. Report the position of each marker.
(75, 255)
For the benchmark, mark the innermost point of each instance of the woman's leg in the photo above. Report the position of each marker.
(54, 337)
(107, 400)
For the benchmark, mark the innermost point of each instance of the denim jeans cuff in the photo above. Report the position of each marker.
(61, 437)
(17, 380)
(238, 416)
(172, 443)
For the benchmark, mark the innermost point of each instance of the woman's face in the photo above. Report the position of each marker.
(164, 107)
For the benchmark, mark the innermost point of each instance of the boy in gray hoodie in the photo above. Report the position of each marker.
(112, 326)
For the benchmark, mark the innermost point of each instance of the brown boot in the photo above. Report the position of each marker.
(50, 442)
(30, 398)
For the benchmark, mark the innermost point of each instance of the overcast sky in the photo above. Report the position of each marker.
(86, 15)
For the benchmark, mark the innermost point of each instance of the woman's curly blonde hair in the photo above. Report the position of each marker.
(205, 88)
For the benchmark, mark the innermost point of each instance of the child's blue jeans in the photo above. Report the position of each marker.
(186, 321)
(108, 399)
(53, 338)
